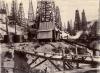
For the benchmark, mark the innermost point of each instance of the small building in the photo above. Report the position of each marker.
(47, 31)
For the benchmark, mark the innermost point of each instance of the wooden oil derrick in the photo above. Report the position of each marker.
(7, 9)
(21, 15)
(3, 5)
(84, 21)
(58, 18)
(0, 4)
(44, 11)
(68, 27)
(77, 22)
(32, 31)
(14, 13)
(58, 23)
(30, 14)
(38, 12)
(2, 12)
(83, 26)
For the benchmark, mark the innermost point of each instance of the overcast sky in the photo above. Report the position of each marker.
(68, 7)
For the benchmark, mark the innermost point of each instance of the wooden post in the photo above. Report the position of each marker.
(77, 64)
(7, 26)
(15, 28)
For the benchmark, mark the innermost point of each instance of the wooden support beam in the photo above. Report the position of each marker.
(53, 45)
(54, 65)
(34, 60)
(60, 59)
(64, 66)
(7, 26)
(39, 63)
(77, 65)
(81, 70)
(67, 62)
(70, 67)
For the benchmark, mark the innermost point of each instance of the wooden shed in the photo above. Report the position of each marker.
(47, 31)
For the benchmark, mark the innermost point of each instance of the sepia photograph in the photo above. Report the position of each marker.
(49, 36)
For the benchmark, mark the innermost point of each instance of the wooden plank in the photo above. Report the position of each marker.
(70, 67)
(60, 59)
(68, 64)
(79, 70)
(34, 61)
(64, 66)
(39, 63)
(54, 65)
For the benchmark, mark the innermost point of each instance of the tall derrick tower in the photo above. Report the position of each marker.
(22, 22)
(84, 21)
(32, 28)
(30, 14)
(69, 27)
(3, 5)
(0, 4)
(2, 11)
(13, 19)
(45, 11)
(58, 18)
(14, 9)
(21, 15)
(77, 23)
(7, 9)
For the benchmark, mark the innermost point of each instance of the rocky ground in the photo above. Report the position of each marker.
(47, 48)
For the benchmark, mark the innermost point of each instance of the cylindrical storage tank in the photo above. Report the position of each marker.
(18, 38)
(8, 38)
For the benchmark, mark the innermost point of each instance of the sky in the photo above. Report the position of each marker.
(68, 7)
